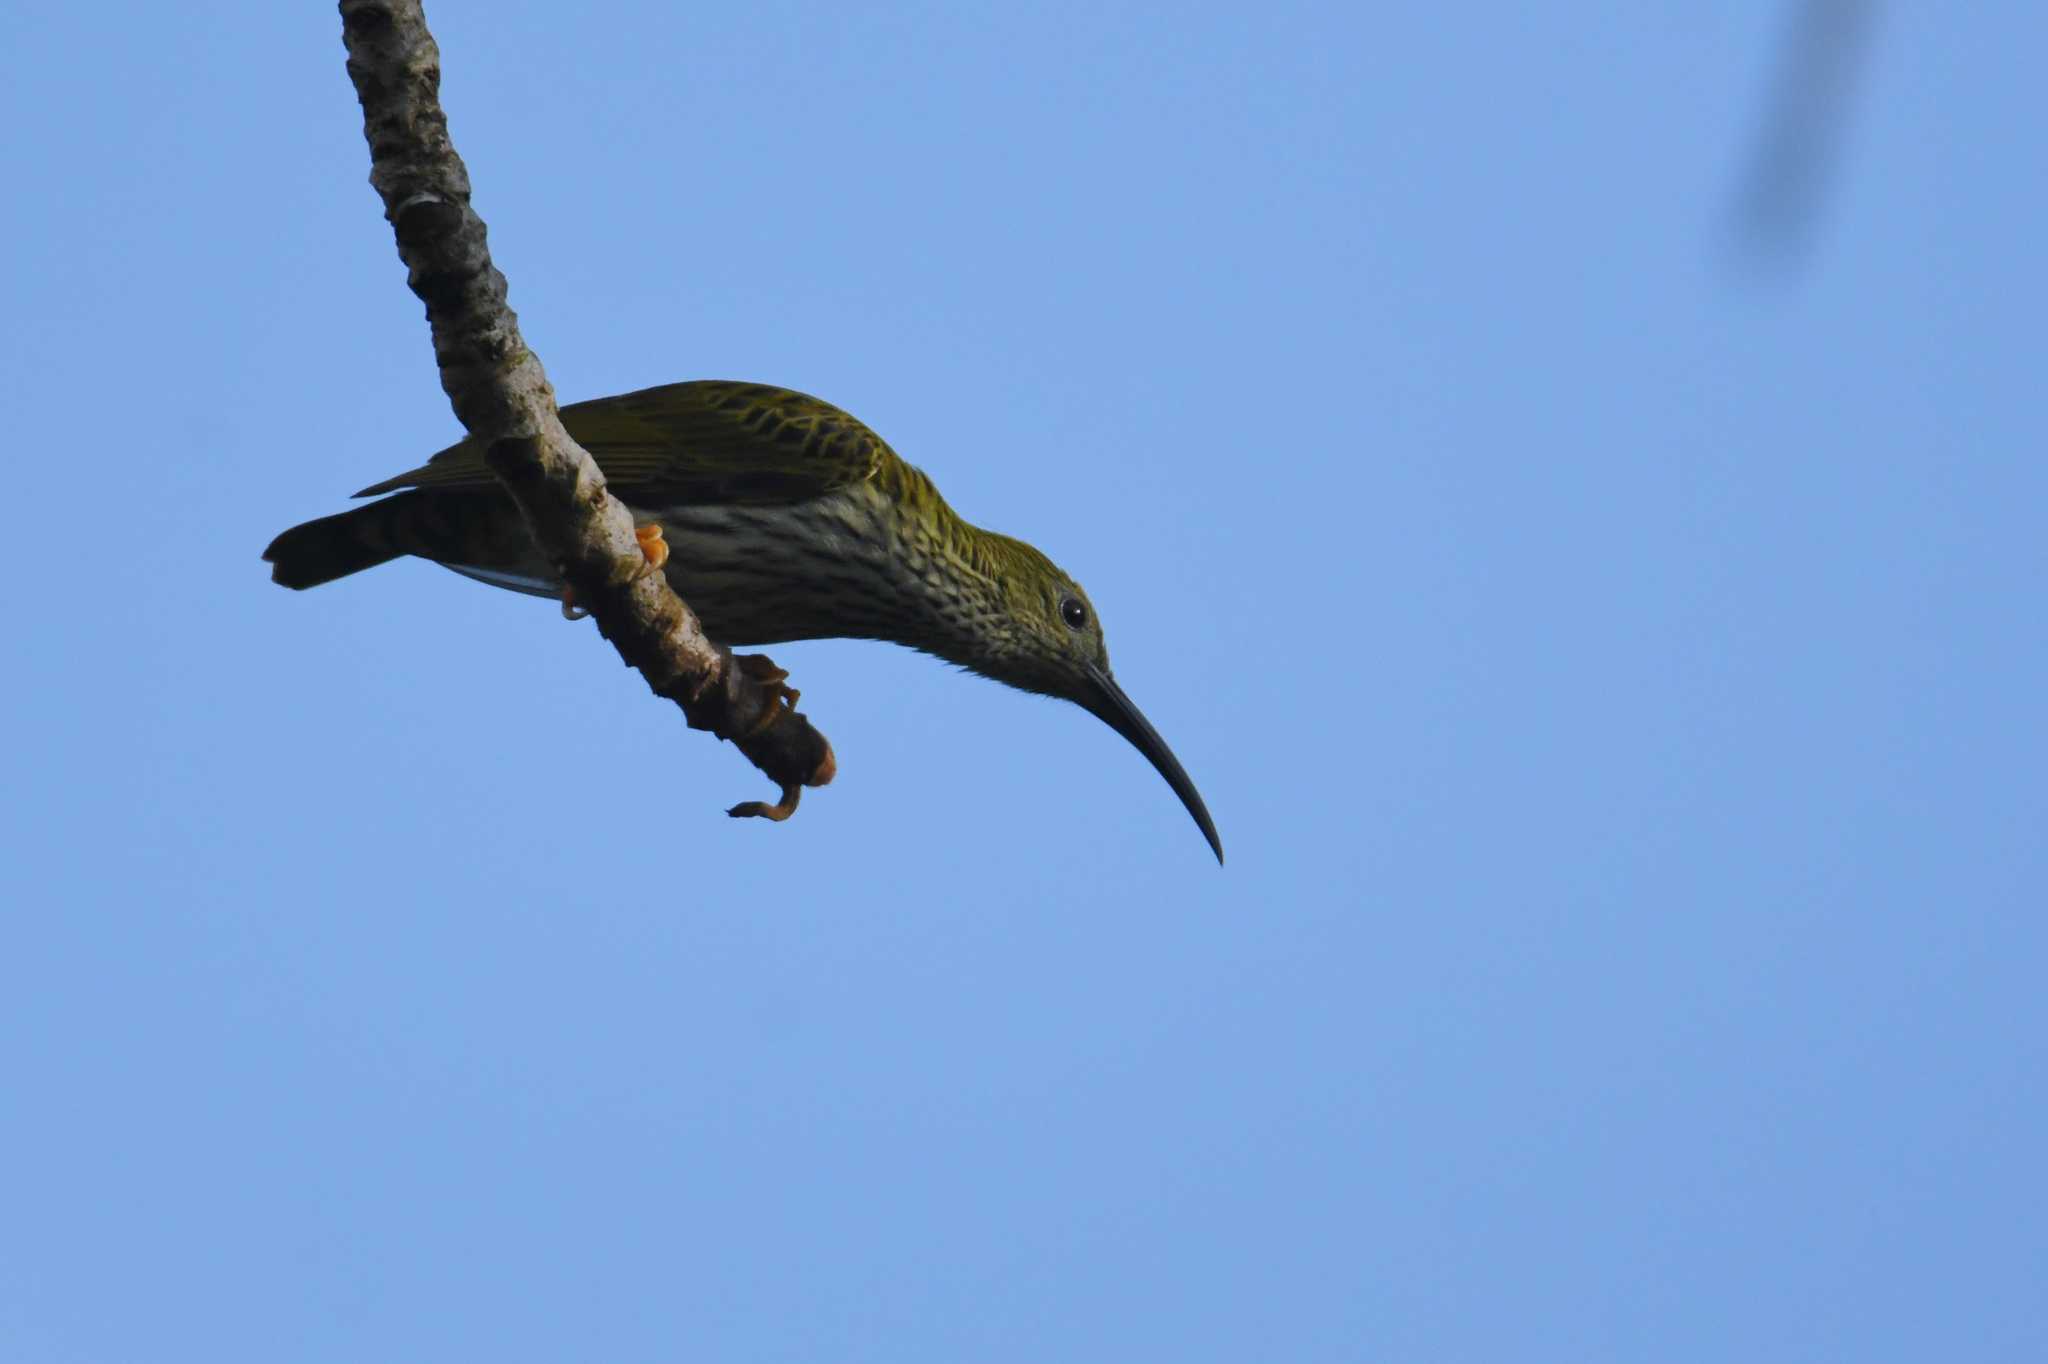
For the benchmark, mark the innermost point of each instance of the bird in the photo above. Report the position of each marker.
(776, 516)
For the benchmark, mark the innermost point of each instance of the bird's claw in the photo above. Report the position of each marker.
(653, 549)
(652, 546)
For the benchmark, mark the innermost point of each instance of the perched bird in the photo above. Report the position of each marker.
(776, 517)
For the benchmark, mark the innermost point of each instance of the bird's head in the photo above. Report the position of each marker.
(1050, 641)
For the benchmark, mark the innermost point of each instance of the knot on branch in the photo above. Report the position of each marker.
(423, 217)
(742, 698)
(364, 21)
(751, 704)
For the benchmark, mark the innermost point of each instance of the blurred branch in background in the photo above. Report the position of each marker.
(1798, 142)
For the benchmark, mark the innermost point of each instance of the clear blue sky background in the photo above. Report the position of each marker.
(1618, 674)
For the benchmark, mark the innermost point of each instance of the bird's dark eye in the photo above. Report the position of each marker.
(1073, 613)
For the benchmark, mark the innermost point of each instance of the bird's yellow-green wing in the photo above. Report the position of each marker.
(708, 441)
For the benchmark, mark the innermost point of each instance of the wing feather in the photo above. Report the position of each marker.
(707, 441)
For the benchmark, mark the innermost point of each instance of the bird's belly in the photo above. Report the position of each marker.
(834, 567)
(762, 575)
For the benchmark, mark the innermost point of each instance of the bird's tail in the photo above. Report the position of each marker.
(336, 546)
(468, 530)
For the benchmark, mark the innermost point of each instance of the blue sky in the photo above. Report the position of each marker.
(1616, 671)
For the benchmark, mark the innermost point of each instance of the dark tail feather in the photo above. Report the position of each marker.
(333, 547)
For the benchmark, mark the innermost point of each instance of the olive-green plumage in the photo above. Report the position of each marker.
(786, 519)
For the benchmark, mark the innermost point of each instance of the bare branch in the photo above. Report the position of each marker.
(503, 398)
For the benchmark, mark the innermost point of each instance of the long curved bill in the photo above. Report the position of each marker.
(1113, 708)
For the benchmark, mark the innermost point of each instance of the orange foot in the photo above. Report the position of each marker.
(652, 548)
(652, 545)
